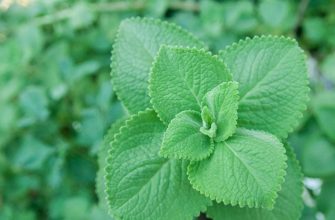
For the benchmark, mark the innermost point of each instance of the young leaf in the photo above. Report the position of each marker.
(136, 45)
(222, 101)
(183, 139)
(288, 205)
(180, 77)
(140, 184)
(272, 77)
(247, 169)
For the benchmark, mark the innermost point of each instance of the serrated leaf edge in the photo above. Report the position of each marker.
(236, 95)
(148, 20)
(290, 151)
(107, 176)
(251, 204)
(182, 157)
(306, 99)
(179, 48)
(111, 128)
(109, 157)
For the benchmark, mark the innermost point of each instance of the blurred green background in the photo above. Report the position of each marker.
(57, 102)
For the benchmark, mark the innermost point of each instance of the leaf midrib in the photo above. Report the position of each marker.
(146, 183)
(245, 165)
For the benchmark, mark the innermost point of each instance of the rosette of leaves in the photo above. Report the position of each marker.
(206, 132)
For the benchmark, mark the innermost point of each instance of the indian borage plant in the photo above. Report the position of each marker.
(207, 133)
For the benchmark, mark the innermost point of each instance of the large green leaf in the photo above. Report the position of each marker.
(273, 83)
(288, 205)
(247, 170)
(222, 101)
(142, 185)
(180, 77)
(183, 139)
(102, 162)
(136, 45)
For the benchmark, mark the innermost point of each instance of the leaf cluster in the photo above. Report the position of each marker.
(209, 128)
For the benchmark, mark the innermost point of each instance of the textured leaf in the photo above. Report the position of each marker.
(247, 169)
(183, 139)
(288, 205)
(100, 179)
(142, 185)
(272, 77)
(136, 45)
(222, 101)
(180, 77)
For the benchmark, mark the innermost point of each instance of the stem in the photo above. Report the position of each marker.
(111, 7)
(301, 13)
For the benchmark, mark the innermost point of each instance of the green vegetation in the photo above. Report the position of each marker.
(220, 124)
(57, 102)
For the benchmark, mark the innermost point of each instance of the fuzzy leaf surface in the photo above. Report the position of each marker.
(222, 101)
(272, 77)
(137, 43)
(247, 170)
(142, 185)
(288, 205)
(183, 139)
(180, 77)
(103, 152)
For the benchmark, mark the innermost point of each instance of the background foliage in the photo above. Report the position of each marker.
(57, 102)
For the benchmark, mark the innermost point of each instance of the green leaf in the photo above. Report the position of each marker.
(180, 77)
(315, 30)
(326, 199)
(222, 101)
(247, 170)
(207, 117)
(34, 104)
(328, 67)
(142, 185)
(288, 205)
(318, 157)
(324, 109)
(100, 179)
(277, 14)
(183, 139)
(272, 77)
(137, 43)
(31, 154)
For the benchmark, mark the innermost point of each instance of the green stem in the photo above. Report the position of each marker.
(110, 7)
